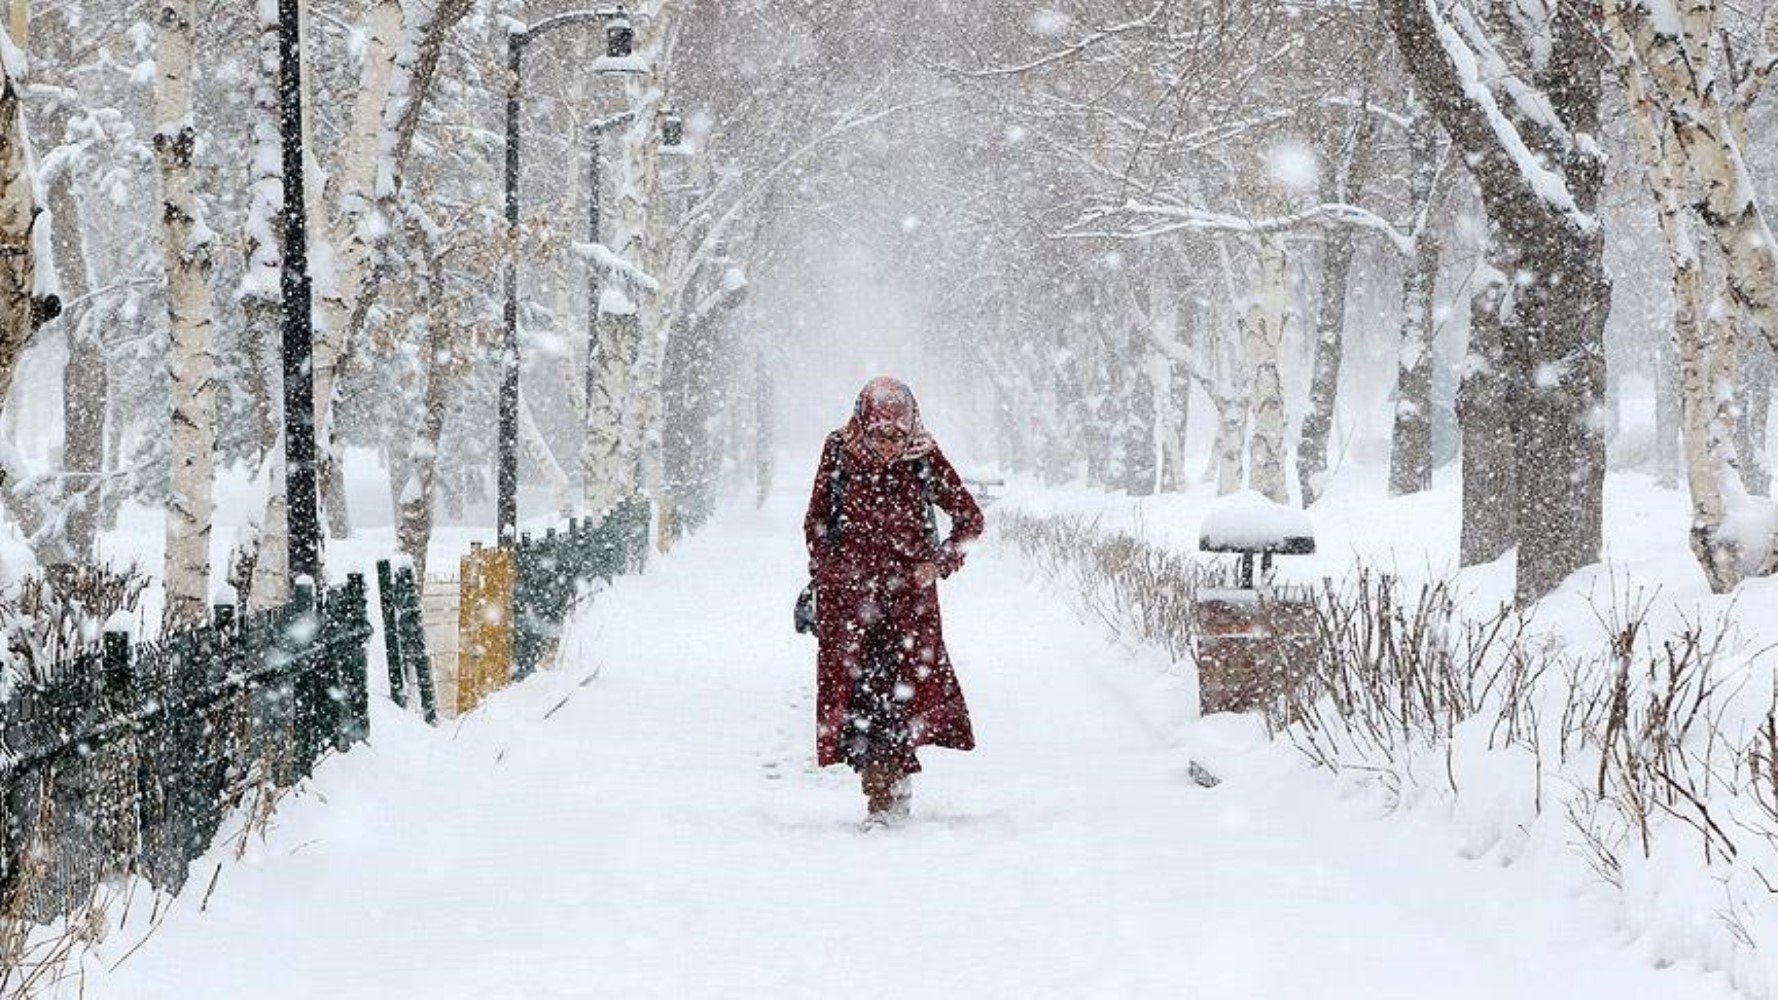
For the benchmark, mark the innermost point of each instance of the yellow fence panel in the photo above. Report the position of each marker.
(485, 624)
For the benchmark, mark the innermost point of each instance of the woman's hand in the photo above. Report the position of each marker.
(925, 574)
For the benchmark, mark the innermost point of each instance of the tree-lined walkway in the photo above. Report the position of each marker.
(645, 821)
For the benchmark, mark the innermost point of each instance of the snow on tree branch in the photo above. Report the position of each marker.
(1177, 218)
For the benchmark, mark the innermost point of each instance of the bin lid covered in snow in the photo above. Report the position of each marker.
(1248, 522)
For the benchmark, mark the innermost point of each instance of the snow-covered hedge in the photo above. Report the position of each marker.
(1650, 761)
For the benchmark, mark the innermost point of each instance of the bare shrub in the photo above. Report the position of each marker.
(52, 616)
(1140, 591)
(1644, 747)
(1393, 674)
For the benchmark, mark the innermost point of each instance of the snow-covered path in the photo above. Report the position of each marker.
(646, 821)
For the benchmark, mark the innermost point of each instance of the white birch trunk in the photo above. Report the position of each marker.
(1264, 330)
(633, 339)
(261, 295)
(1687, 95)
(271, 570)
(1682, 159)
(1229, 452)
(18, 232)
(186, 244)
(350, 242)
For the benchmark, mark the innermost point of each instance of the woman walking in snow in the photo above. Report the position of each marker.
(884, 684)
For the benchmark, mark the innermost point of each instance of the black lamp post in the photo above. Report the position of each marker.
(298, 340)
(618, 58)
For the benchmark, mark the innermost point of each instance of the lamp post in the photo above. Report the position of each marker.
(619, 39)
(298, 339)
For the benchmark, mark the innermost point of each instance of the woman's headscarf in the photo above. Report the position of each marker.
(886, 401)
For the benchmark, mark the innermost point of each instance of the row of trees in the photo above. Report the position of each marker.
(1506, 218)
(168, 341)
(1531, 212)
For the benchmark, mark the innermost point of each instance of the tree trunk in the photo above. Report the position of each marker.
(19, 313)
(1484, 407)
(1704, 348)
(186, 243)
(1324, 380)
(1139, 446)
(1666, 443)
(608, 464)
(1330, 315)
(1410, 452)
(1265, 332)
(1550, 240)
(1177, 392)
(1755, 403)
(1228, 386)
(84, 382)
(262, 310)
(619, 409)
(414, 509)
(351, 241)
(271, 570)
(1680, 66)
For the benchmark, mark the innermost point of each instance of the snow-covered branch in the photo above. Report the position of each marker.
(1166, 219)
(1069, 52)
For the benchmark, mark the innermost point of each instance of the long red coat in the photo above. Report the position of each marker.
(868, 577)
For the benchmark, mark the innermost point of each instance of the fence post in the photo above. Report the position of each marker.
(526, 637)
(412, 633)
(301, 644)
(118, 816)
(231, 707)
(348, 631)
(117, 665)
(391, 633)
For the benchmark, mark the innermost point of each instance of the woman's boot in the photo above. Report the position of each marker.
(879, 785)
(901, 797)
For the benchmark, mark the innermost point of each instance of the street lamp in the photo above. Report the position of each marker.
(296, 293)
(618, 58)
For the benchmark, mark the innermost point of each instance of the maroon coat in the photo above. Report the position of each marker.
(867, 579)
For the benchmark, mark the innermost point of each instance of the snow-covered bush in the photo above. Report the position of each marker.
(1139, 590)
(1644, 762)
(52, 615)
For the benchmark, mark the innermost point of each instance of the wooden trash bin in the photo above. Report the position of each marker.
(1254, 639)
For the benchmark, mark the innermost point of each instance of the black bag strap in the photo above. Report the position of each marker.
(837, 494)
(925, 473)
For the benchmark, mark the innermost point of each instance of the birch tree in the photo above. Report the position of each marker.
(1263, 331)
(1342, 181)
(22, 295)
(187, 244)
(1685, 128)
(635, 325)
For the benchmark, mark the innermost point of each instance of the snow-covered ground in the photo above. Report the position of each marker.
(645, 820)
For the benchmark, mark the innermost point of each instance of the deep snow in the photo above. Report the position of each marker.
(645, 820)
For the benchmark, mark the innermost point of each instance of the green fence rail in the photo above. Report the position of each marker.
(126, 761)
(558, 569)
